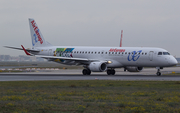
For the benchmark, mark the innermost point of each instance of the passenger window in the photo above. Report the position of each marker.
(106, 52)
(95, 52)
(160, 53)
(98, 52)
(91, 52)
(74, 51)
(102, 53)
(142, 53)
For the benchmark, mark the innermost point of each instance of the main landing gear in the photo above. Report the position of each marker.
(111, 72)
(158, 71)
(86, 72)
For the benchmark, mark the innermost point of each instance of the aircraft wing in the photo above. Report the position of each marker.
(28, 50)
(54, 58)
(63, 58)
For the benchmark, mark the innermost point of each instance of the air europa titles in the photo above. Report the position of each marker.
(116, 50)
(37, 31)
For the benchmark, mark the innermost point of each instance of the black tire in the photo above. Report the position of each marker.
(88, 72)
(158, 73)
(108, 72)
(113, 72)
(85, 71)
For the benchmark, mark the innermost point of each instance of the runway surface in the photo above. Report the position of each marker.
(37, 77)
(146, 74)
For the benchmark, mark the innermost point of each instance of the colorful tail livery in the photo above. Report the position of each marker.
(36, 35)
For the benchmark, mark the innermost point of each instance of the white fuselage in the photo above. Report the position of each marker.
(118, 56)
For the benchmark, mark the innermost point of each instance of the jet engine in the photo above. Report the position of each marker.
(134, 69)
(97, 66)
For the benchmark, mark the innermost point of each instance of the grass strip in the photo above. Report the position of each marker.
(89, 96)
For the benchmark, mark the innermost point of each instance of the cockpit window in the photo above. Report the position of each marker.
(163, 53)
(166, 53)
(160, 53)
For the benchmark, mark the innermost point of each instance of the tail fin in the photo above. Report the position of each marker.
(36, 36)
(121, 38)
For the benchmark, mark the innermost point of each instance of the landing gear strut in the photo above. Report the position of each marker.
(111, 72)
(158, 71)
(86, 72)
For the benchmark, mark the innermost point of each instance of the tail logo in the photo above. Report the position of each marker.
(37, 36)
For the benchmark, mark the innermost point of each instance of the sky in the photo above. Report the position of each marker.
(145, 23)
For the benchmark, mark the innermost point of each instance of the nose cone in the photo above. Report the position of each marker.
(173, 61)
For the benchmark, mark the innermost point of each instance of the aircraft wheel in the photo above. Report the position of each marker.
(86, 72)
(108, 72)
(113, 72)
(158, 73)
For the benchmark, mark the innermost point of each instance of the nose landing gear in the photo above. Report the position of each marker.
(158, 71)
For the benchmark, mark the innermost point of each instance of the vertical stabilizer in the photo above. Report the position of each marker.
(121, 38)
(36, 36)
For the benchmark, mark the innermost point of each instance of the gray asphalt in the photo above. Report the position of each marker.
(39, 77)
(75, 74)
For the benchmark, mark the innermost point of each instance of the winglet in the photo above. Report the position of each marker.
(25, 50)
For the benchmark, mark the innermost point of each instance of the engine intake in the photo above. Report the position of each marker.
(134, 69)
(97, 66)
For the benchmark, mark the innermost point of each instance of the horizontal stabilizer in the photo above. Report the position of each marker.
(28, 50)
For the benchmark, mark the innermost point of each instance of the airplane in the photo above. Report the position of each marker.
(98, 59)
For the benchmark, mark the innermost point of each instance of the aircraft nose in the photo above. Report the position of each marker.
(173, 61)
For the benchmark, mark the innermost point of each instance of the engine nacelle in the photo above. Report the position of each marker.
(97, 66)
(134, 69)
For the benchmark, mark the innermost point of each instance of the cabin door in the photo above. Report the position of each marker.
(50, 52)
(151, 55)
